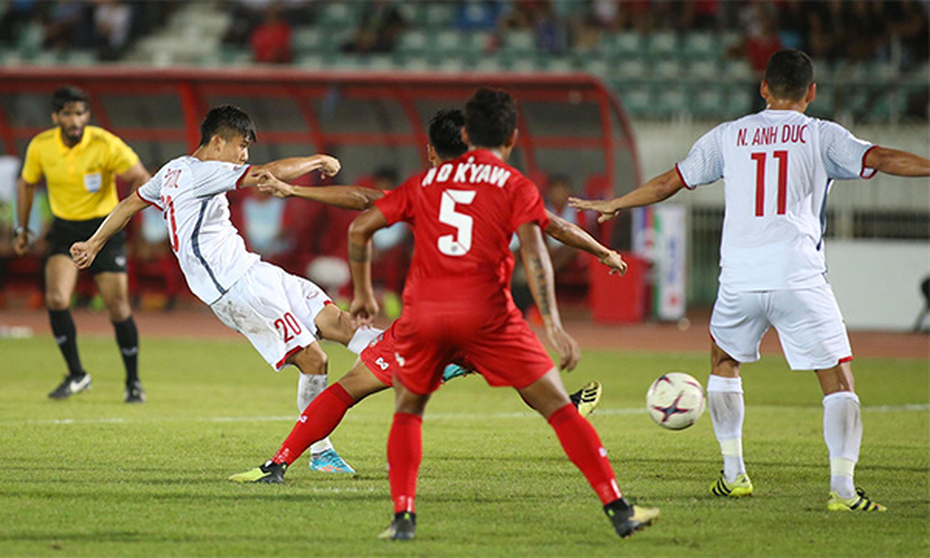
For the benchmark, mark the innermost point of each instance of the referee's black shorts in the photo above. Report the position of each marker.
(64, 233)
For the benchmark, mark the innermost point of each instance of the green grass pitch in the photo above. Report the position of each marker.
(92, 476)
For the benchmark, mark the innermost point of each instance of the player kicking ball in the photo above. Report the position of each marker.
(778, 166)
(282, 315)
(374, 370)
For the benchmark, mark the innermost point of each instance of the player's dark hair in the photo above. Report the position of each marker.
(490, 117)
(445, 133)
(226, 121)
(789, 74)
(67, 94)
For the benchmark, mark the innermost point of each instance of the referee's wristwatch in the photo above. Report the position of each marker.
(20, 230)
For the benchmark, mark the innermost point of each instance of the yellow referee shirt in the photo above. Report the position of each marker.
(81, 180)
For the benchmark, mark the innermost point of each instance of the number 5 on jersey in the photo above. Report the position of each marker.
(457, 244)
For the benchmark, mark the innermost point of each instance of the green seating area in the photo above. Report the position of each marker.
(661, 75)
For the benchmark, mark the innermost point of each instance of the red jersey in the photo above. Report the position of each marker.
(463, 214)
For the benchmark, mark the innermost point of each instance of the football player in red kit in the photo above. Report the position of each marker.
(463, 214)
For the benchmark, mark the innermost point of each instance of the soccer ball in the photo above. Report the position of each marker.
(675, 400)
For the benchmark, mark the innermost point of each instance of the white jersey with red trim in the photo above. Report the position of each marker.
(778, 167)
(192, 197)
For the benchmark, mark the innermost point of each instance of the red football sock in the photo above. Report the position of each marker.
(405, 451)
(318, 420)
(583, 446)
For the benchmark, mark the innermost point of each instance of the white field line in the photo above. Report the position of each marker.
(914, 408)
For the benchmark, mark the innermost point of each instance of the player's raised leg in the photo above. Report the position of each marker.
(336, 325)
(317, 421)
(583, 447)
(842, 431)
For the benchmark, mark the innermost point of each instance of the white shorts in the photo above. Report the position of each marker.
(274, 310)
(808, 321)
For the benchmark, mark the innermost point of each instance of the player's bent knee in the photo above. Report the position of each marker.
(311, 360)
(335, 324)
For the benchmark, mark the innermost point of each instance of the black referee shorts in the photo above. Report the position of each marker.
(64, 233)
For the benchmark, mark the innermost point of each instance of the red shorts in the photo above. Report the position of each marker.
(378, 356)
(501, 347)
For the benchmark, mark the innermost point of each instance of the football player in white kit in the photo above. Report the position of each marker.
(282, 315)
(777, 166)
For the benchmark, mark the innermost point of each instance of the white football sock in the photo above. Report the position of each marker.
(363, 336)
(725, 400)
(308, 387)
(842, 430)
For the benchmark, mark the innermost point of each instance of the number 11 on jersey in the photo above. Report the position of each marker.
(759, 158)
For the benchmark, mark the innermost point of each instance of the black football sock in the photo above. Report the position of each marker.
(66, 337)
(127, 337)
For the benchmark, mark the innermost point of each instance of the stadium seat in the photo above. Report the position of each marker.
(306, 39)
(668, 69)
(414, 41)
(701, 45)
(338, 15)
(623, 45)
(705, 69)
(739, 99)
(630, 68)
(448, 41)
(662, 45)
(518, 43)
(708, 101)
(670, 100)
(439, 15)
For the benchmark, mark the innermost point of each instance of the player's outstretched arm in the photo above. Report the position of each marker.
(578, 238)
(658, 189)
(364, 306)
(346, 197)
(293, 167)
(539, 275)
(83, 253)
(897, 162)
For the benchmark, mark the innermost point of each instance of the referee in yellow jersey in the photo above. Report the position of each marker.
(80, 164)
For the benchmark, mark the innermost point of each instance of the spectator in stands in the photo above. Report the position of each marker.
(68, 25)
(112, 24)
(477, 15)
(9, 168)
(908, 22)
(794, 24)
(391, 245)
(153, 263)
(264, 226)
(557, 193)
(760, 42)
(380, 27)
(699, 14)
(13, 15)
(271, 40)
(827, 39)
(551, 30)
(247, 15)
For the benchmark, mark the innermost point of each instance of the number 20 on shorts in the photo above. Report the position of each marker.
(288, 326)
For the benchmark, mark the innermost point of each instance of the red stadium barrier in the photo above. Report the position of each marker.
(570, 124)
